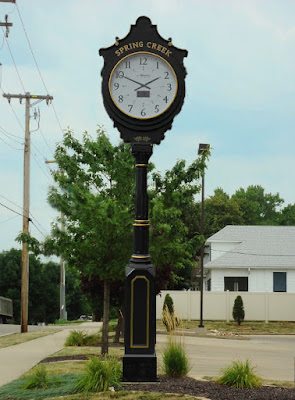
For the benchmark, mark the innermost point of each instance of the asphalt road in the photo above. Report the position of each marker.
(273, 356)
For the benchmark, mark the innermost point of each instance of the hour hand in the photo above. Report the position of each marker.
(141, 85)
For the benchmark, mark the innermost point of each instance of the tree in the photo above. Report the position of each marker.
(173, 245)
(221, 210)
(238, 310)
(43, 286)
(287, 215)
(258, 207)
(95, 192)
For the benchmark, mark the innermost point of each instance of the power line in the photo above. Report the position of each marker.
(38, 229)
(14, 148)
(34, 218)
(37, 66)
(11, 138)
(8, 208)
(6, 220)
(13, 60)
(23, 25)
(47, 176)
(9, 133)
(1, 195)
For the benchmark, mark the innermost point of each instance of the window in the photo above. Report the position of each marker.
(280, 281)
(236, 284)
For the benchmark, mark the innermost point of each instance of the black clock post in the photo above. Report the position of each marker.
(142, 122)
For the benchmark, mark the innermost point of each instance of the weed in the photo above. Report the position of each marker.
(239, 375)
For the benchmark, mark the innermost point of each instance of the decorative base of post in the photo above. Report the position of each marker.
(140, 368)
(140, 361)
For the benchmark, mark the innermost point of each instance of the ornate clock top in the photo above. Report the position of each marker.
(143, 83)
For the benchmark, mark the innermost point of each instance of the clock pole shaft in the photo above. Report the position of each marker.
(141, 153)
(140, 361)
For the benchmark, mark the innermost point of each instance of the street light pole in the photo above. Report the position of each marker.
(203, 148)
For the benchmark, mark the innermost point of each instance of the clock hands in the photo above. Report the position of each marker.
(141, 85)
(145, 84)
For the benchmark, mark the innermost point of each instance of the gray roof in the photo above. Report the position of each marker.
(256, 247)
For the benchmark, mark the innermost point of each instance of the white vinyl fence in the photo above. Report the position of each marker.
(258, 306)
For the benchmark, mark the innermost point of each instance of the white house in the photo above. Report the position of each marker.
(251, 258)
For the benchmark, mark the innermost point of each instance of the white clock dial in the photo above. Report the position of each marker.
(143, 85)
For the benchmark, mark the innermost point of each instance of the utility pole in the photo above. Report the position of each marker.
(203, 149)
(62, 291)
(26, 201)
(6, 23)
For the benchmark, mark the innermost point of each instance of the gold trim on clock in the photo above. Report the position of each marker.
(130, 55)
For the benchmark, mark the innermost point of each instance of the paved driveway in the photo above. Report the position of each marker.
(272, 355)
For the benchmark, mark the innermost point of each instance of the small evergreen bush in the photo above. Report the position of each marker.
(169, 319)
(168, 301)
(240, 375)
(238, 310)
(100, 375)
(40, 379)
(175, 361)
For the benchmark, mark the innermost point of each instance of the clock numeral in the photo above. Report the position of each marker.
(169, 87)
(143, 113)
(130, 107)
(157, 64)
(120, 99)
(143, 61)
(119, 74)
(166, 75)
(165, 99)
(127, 64)
(116, 86)
(157, 108)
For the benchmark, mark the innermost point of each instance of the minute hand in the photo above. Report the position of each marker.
(146, 84)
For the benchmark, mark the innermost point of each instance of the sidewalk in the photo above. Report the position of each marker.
(18, 359)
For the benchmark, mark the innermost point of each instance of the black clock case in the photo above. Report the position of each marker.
(134, 130)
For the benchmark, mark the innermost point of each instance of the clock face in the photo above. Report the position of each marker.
(143, 85)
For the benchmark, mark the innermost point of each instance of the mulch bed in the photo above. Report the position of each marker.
(195, 387)
(211, 390)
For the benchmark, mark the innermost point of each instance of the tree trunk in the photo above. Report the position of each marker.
(120, 327)
(106, 318)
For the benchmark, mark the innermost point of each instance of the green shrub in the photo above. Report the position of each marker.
(80, 338)
(238, 310)
(40, 379)
(239, 375)
(169, 319)
(168, 301)
(76, 338)
(175, 361)
(100, 375)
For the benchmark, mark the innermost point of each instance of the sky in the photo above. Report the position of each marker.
(240, 91)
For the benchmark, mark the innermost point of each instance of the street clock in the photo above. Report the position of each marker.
(143, 83)
(143, 88)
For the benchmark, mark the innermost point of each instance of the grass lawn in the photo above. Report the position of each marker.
(17, 338)
(246, 328)
(68, 373)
